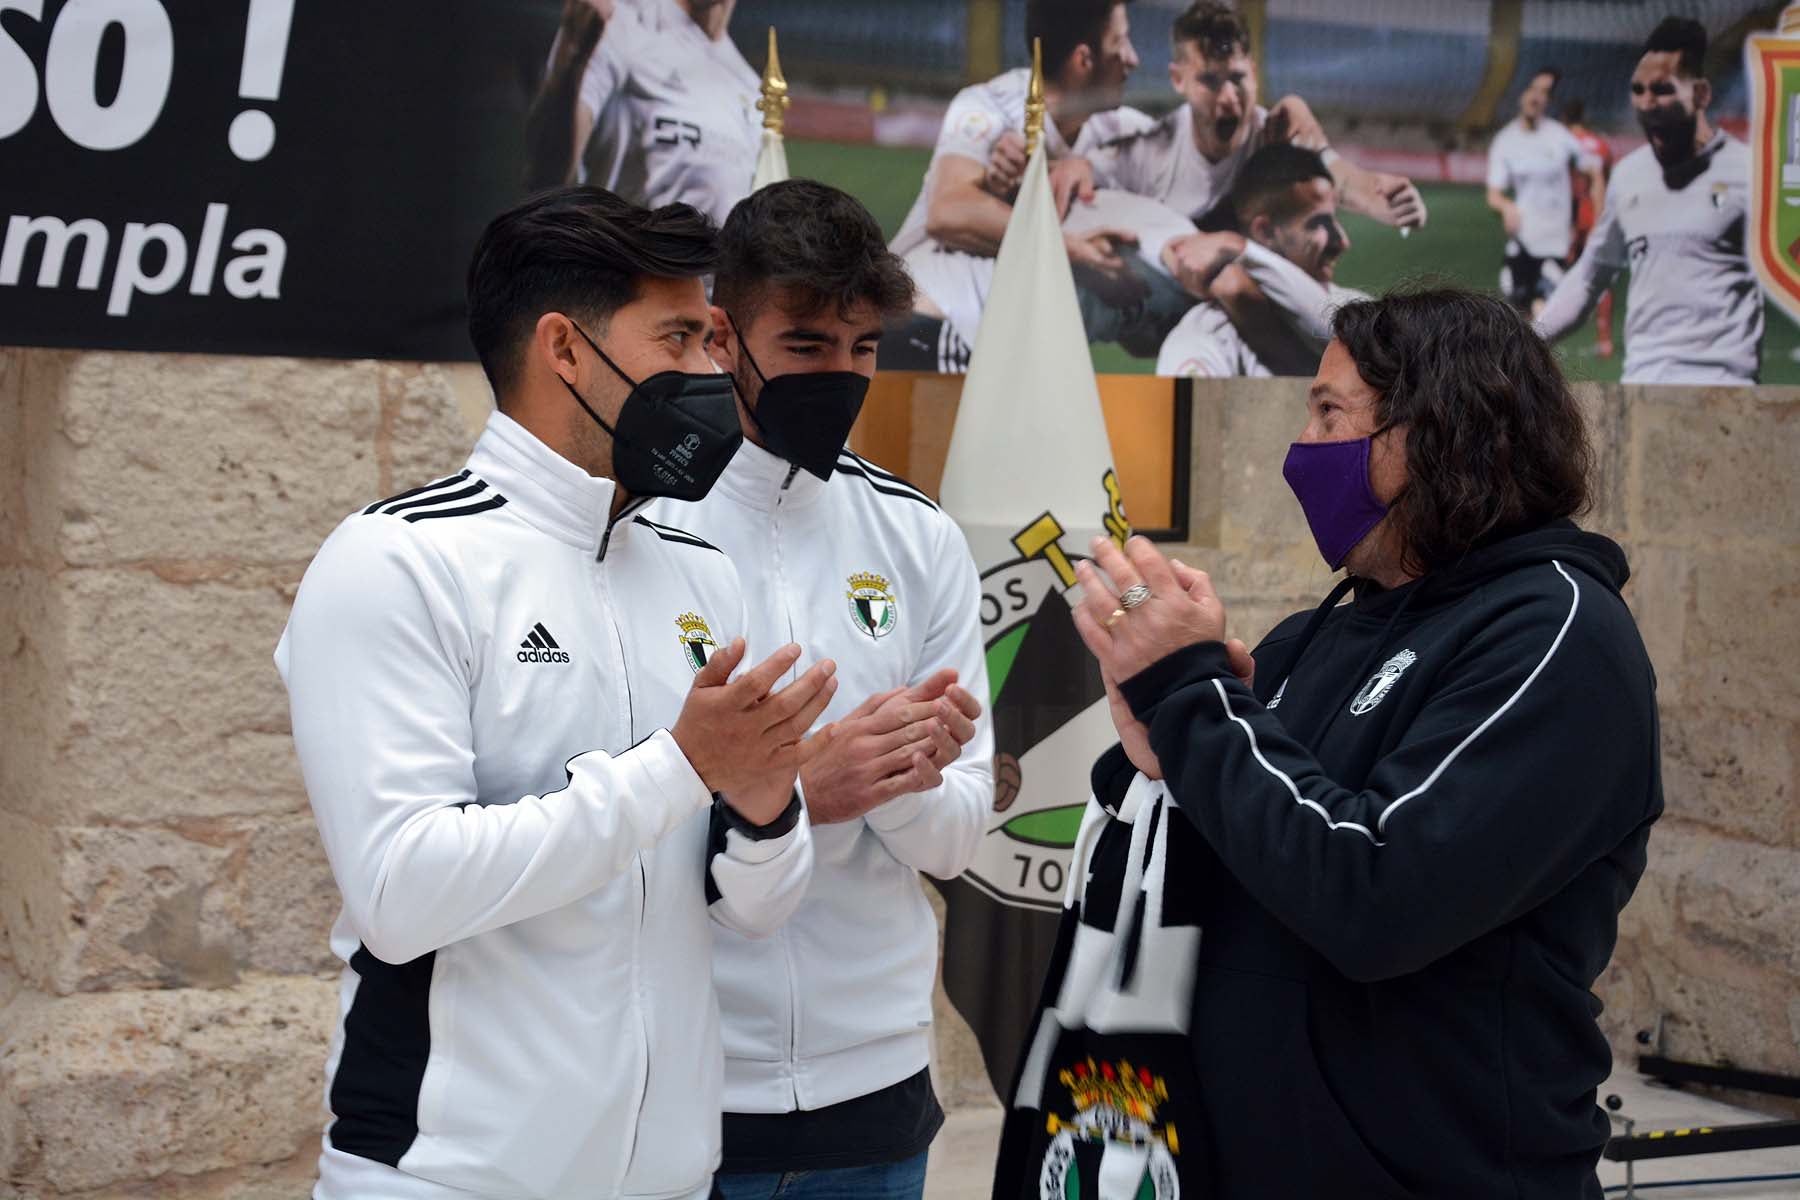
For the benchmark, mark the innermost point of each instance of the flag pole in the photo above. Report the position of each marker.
(1034, 100)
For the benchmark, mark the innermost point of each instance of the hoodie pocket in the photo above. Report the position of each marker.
(1277, 1129)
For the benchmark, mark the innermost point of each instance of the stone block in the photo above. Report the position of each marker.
(474, 398)
(33, 906)
(33, 700)
(1258, 512)
(42, 378)
(1738, 648)
(176, 711)
(1742, 900)
(1707, 946)
(12, 455)
(1206, 487)
(1709, 1018)
(1715, 463)
(1660, 594)
(1604, 409)
(93, 908)
(205, 457)
(423, 426)
(129, 1087)
(1733, 771)
(289, 898)
(292, 1179)
(152, 907)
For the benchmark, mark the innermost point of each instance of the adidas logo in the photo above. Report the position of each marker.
(539, 646)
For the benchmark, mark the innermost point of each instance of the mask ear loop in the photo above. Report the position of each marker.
(579, 399)
(744, 346)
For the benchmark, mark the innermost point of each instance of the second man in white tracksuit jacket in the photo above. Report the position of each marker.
(826, 1024)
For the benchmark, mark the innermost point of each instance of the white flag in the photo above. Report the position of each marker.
(1030, 479)
(771, 161)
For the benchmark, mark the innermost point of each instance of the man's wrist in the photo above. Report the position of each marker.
(779, 826)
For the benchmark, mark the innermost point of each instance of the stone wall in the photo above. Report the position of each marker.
(165, 988)
(167, 984)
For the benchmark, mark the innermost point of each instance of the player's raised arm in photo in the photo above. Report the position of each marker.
(1584, 283)
(1390, 199)
(1378, 195)
(559, 122)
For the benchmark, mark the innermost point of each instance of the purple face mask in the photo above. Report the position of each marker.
(1331, 481)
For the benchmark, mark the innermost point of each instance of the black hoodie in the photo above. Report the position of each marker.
(1405, 851)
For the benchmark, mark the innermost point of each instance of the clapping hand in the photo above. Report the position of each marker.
(742, 738)
(1180, 610)
(893, 744)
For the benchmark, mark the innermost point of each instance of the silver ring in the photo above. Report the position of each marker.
(1133, 596)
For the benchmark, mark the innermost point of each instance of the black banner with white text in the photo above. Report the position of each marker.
(253, 176)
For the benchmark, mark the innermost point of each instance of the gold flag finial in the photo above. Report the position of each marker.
(1034, 100)
(774, 102)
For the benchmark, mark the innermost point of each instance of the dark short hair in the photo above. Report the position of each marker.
(1683, 35)
(811, 240)
(1062, 25)
(1495, 445)
(577, 250)
(1215, 29)
(1266, 177)
(1574, 112)
(1555, 74)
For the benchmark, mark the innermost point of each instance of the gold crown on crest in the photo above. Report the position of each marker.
(870, 580)
(1133, 1091)
(693, 624)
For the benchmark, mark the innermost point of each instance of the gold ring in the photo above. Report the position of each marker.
(1117, 613)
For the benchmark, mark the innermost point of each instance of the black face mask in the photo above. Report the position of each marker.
(806, 417)
(676, 431)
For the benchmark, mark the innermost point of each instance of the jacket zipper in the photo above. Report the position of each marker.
(643, 879)
(787, 946)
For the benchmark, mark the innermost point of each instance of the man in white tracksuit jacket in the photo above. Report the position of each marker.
(827, 1023)
(531, 777)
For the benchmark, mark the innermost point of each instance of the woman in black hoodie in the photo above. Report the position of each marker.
(1337, 906)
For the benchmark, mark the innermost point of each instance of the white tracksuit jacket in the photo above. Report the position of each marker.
(481, 675)
(862, 569)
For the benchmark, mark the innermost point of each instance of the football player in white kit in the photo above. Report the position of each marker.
(1190, 159)
(1675, 216)
(1290, 245)
(951, 235)
(1531, 157)
(648, 99)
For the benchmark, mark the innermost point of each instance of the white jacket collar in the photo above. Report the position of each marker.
(542, 486)
(759, 480)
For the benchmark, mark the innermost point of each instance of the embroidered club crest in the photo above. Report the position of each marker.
(873, 608)
(1772, 63)
(696, 639)
(1115, 1112)
(1381, 682)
